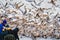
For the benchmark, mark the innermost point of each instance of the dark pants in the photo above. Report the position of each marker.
(2, 34)
(14, 32)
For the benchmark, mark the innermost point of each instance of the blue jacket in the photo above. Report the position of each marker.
(1, 27)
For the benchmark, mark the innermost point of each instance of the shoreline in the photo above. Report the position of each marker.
(38, 38)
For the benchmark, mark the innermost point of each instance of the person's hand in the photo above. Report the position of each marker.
(3, 30)
(8, 28)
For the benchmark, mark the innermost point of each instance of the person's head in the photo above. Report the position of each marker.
(4, 22)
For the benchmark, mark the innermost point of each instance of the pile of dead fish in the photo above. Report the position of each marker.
(40, 18)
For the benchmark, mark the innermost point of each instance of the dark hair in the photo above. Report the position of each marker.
(4, 21)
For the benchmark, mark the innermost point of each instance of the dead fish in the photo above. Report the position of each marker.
(52, 1)
(6, 4)
(17, 5)
(33, 5)
(38, 3)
